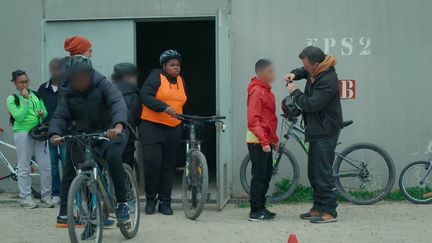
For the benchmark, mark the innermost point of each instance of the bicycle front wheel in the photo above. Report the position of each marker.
(195, 184)
(415, 182)
(84, 212)
(130, 229)
(284, 180)
(364, 173)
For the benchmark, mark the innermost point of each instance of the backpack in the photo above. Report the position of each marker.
(17, 103)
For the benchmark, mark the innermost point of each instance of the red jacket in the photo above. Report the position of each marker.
(261, 113)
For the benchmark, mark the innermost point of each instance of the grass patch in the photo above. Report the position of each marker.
(8, 202)
(304, 194)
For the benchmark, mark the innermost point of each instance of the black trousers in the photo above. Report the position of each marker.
(129, 154)
(262, 168)
(159, 148)
(320, 172)
(111, 151)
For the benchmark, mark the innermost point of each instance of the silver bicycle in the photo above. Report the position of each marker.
(415, 182)
(13, 172)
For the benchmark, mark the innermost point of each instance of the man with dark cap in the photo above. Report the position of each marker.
(125, 77)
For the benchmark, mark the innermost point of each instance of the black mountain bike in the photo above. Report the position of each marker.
(91, 197)
(415, 182)
(364, 172)
(195, 174)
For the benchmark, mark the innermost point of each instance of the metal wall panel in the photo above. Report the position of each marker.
(113, 41)
(384, 45)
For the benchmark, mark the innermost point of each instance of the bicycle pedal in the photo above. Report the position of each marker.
(126, 225)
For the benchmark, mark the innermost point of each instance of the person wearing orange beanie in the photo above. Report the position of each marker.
(78, 45)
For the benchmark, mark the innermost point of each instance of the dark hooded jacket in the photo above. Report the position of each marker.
(320, 102)
(98, 109)
(131, 97)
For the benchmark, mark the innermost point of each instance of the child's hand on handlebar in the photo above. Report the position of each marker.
(56, 140)
(170, 111)
(113, 133)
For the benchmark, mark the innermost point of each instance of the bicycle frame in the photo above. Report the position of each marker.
(192, 141)
(99, 178)
(6, 161)
(427, 173)
(13, 171)
(298, 133)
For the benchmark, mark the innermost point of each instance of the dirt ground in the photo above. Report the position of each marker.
(380, 223)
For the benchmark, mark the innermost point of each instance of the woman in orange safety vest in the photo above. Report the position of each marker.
(163, 96)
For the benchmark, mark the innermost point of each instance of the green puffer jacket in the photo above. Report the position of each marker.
(26, 113)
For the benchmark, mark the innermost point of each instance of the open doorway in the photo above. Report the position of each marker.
(196, 41)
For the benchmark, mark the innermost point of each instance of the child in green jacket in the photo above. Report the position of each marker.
(28, 111)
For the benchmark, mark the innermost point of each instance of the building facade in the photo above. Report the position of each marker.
(382, 47)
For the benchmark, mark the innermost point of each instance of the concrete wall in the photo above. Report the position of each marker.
(20, 47)
(382, 44)
(392, 105)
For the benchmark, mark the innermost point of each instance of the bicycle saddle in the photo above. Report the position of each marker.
(346, 123)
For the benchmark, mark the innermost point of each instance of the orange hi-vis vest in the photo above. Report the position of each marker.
(173, 95)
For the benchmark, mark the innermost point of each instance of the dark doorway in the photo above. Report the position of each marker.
(195, 40)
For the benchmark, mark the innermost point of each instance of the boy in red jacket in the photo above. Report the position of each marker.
(261, 137)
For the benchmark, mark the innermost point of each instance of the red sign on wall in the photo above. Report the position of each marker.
(347, 89)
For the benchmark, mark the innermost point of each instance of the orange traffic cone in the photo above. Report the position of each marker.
(292, 238)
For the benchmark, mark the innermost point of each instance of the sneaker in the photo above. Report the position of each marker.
(260, 216)
(311, 214)
(62, 222)
(123, 213)
(55, 200)
(270, 213)
(46, 202)
(28, 203)
(150, 207)
(325, 218)
(165, 207)
(89, 232)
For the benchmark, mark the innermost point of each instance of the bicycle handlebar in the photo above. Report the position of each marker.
(209, 119)
(92, 136)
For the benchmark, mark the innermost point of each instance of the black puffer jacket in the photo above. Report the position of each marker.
(320, 102)
(131, 97)
(99, 109)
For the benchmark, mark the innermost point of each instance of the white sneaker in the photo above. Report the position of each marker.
(46, 202)
(55, 200)
(28, 203)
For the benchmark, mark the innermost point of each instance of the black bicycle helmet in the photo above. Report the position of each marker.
(169, 54)
(289, 108)
(124, 68)
(78, 64)
(40, 132)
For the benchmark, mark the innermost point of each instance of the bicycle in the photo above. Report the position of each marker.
(195, 174)
(34, 170)
(357, 177)
(415, 182)
(91, 196)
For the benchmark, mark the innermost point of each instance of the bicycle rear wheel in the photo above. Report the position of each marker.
(195, 184)
(364, 173)
(35, 176)
(130, 229)
(284, 180)
(84, 212)
(415, 182)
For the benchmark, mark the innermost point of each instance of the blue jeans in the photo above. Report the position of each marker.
(57, 156)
